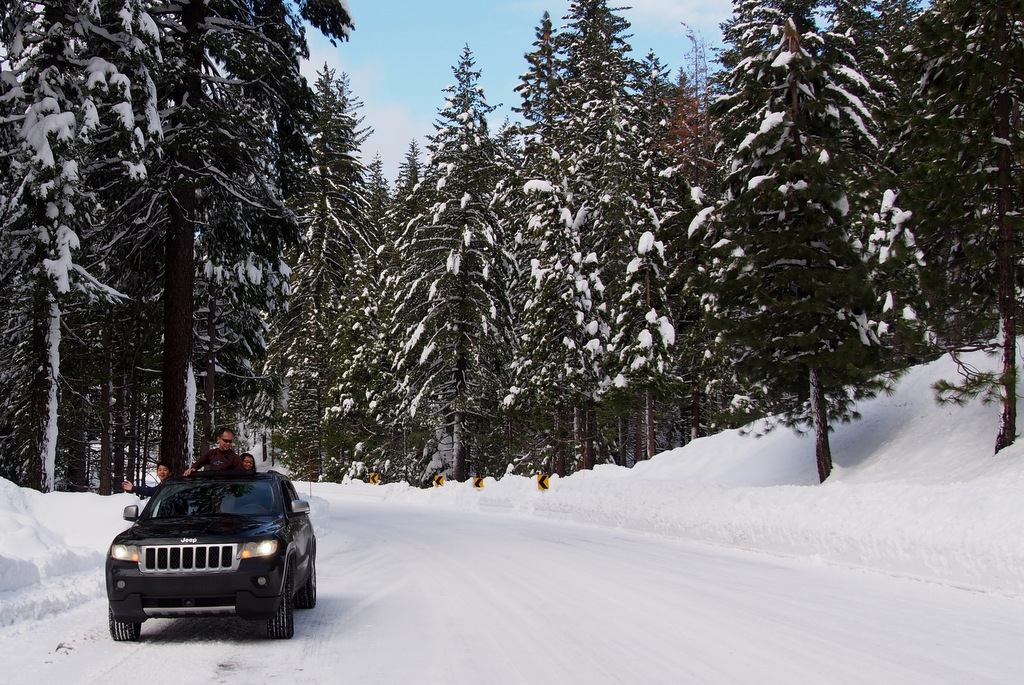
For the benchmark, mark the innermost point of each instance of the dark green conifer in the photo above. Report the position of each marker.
(791, 290)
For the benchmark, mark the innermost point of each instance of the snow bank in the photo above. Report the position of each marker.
(916, 492)
(51, 547)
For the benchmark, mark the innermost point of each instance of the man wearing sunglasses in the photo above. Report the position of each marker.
(220, 457)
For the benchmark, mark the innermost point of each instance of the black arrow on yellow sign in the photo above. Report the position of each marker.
(478, 483)
(374, 478)
(542, 481)
(438, 481)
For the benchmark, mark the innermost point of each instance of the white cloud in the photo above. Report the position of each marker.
(393, 122)
(665, 16)
(394, 128)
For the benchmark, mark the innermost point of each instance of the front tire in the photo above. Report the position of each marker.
(305, 598)
(282, 626)
(122, 631)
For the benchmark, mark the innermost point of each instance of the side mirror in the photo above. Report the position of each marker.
(300, 506)
(131, 512)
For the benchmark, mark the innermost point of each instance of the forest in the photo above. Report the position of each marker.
(190, 238)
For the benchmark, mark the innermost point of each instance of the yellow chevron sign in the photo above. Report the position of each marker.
(478, 483)
(542, 481)
(438, 481)
(374, 478)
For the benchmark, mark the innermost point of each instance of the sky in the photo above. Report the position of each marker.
(721, 562)
(401, 54)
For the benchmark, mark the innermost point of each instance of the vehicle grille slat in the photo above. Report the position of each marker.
(188, 558)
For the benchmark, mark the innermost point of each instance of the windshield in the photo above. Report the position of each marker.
(206, 498)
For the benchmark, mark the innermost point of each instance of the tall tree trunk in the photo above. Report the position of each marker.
(621, 457)
(590, 429)
(78, 465)
(652, 443)
(145, 441)
(178, 284)
(132, 466)
(119, 437)
(49, 451)
(1007, 277)
(460, 467)
(638, 439)
(45, 342)
(106, 409)
(577, 439)
(460, 462)
(696, 404)
(179, 275)
(819, 409)
(560, 442)
(584, 442)
(209, 387)
(320, 402)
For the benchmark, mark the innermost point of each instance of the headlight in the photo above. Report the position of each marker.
(264, 548)
(125, 552)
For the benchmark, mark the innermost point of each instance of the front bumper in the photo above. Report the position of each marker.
(252, 591)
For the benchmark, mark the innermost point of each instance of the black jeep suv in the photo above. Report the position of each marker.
(214, 544)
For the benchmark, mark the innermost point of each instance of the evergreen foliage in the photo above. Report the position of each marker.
(454, 310)
(233, 114)
(112, 109)
(313, 339)
(76, 78)
(964, 137)
(790, 285)
(636, 261)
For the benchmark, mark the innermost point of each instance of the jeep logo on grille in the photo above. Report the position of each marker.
(190, 539)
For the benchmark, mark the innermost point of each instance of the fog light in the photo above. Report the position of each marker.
(261, 581)
(120, 584)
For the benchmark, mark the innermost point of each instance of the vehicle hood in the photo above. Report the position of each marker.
(220, 527)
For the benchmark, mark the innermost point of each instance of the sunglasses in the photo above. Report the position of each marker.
(226, 441)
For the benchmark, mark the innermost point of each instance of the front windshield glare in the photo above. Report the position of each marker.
(212, 499)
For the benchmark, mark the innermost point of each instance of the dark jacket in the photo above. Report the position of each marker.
(219, 460)
(143, 490)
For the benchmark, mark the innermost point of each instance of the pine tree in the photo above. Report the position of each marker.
(123, 148)
(643, 341)
(398, 436)
(792, 294)
(42, 97)
(538, 87)
(378, 194)
(454, 312)
(896, 30)
(596, 134)
(695, 176)
(234, 105)
(966, 199)
(552, 367)
(579, 94)
(858, 43)
(694, 137)
(77, 82)
(312, 342)
(409, 201)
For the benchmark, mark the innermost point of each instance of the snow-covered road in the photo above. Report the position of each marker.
(413, 594)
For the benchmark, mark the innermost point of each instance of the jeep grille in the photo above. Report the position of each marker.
(188, 558)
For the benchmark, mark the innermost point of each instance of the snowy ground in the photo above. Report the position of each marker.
(722, 562)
